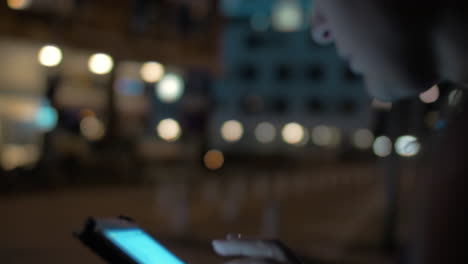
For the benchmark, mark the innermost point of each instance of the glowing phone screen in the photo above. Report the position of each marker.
(141, 247)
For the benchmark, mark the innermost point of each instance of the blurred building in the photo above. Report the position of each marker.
(280, 92)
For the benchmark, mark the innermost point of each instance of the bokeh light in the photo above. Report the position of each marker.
(382, 146)
(407, 146)
(152, 71)
(46, 117)
(92, 128)
(363, 139)
(265, 132)
(213, 159)
(14, 156)
(100, 63)
(170, 89)
(50, 56)
(325, 136)
(169, 130)
(430, 96)
(287, 16)
(293, 133)
(19, 4)
(232, 131)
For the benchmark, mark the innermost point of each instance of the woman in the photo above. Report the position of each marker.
(402, 48)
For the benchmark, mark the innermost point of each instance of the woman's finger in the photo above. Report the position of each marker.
(249, 248)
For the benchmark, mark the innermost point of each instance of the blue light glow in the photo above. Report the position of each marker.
(141, 247)
(46, 117)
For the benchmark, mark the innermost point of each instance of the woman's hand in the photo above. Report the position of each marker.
(254, 251)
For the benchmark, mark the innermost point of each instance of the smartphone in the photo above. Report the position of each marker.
(122, 241)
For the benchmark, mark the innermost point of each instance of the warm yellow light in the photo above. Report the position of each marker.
(407, 146)
(169, 130)
(19, 4)
(152, 71)
(363, 139)
(232, 131)
(287, 16)
(214, 159)
(265, 132)
(92, 128)
(382, 146)
(431, 95)
(100, 63)
(50, 56)
(14, 156)
(171, 88)
(293, 133)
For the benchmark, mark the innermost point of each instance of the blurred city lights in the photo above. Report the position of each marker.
(363, 139)
(382, 146)
(293, 133)
(232, 131)
(407, 146)
(14, 156)
(169, 130)
(19, 4)
(431, 95)
(50, 56)
(152, 71)
(46, 117)
(92, 128)
(260, 22)
(170, 88)
(100, 63)
(325, 136)
(213, 160)
(265, 132)
(287, 16)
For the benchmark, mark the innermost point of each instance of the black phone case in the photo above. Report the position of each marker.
(100, 245)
